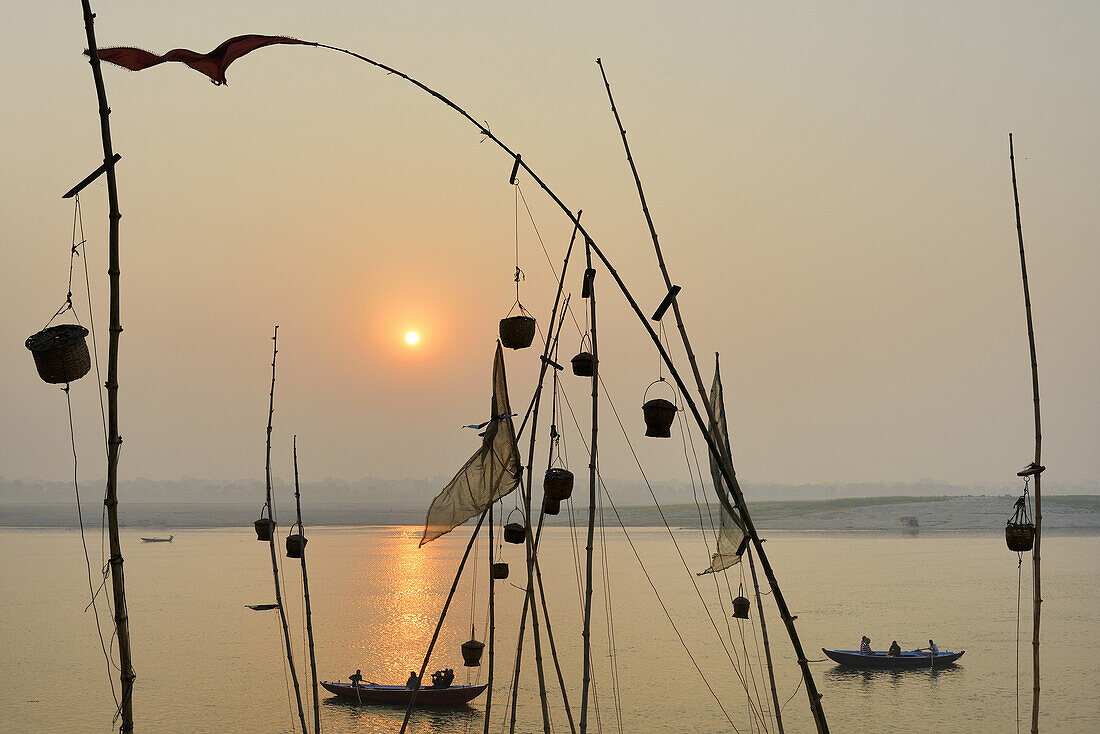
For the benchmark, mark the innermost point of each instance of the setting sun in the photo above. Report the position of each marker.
(412, 337)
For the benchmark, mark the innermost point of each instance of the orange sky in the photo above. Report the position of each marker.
(831, 188)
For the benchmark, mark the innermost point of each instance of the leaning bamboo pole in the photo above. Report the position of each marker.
(1037, 598)
(492, 622)
(439, 624)
(271, 540)
(586, 633)
(305, 595)
(114, 440)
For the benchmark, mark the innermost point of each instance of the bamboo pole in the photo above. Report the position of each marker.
(767, 647)
(492, 623)
(1037, 598)
(114, 440)
(587, 631)
(271, 541)
(439, 624)
(305, 594)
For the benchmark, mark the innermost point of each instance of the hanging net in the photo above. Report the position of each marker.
(491, 473)
(732, 540)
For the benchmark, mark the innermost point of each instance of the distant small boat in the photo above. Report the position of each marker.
(374, 693)
(882, 661)
(158, 540)
(262, 607)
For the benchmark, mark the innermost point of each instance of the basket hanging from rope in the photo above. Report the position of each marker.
(295, 543)
(514, 532)
(1019, 530)
(558, 484)
(61, 353)
(265, 526)
(550, 506)
(500, 570)
(584, 364)
(740, 606)
(517, 332)
(659, 414)
(471, 653)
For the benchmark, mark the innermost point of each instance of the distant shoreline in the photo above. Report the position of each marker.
(1062, 514)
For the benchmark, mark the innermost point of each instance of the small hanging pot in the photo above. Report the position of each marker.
(517, 332)
(514, 532)
(558, 484)
(471, 653)
(550, 506)
(1020, 536)
(295, 543)
(584, 364)
(659, 414)
(265, 526)
(500, 570)
(740, 608)
(60, 353)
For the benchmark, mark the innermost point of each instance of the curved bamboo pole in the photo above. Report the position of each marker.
(114, 440)
(271, 541)
(593, 455)
(1037, 598)
(305, 594)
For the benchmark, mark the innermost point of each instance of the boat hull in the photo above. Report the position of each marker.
(400, 695)
(882, 661)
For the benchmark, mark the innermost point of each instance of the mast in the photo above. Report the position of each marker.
(114, 440)
(767, 647)
(271, 540)
(590, 288)
(492, 623)
(1036, 465)
(305, 594)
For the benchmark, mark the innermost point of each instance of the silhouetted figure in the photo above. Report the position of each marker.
(413, 680)
(895, 650)
(932, 648)
(437, 679)
(865, 646)
(356, 678)
(447, 679)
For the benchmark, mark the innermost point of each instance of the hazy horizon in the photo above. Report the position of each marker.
(831, 187)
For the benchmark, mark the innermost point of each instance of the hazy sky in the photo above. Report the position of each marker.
(831, 186)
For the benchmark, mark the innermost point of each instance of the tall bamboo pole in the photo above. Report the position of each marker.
(114, 440)
(1037, 598)
(592, 459)
(305, 594)
(439, 624)
(271, 540)
(492, 622)
(767, 647)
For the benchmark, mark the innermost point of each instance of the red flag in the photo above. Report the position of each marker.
(212, 64)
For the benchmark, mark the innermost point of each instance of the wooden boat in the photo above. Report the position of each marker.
(400, 695)
(158, 540)
(882, 661)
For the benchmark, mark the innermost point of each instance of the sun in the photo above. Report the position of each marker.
(412, 338)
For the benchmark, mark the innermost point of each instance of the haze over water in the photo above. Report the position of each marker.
(207, 663)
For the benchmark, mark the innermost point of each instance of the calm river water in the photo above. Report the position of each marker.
(206, 663)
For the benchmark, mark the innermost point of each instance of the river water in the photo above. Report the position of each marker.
(206, 663)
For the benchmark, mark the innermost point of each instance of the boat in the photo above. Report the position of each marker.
(400, 695)
(158, 540)
(882, 661)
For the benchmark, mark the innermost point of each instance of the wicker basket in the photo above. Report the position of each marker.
(659, 414)
(1020, 536)
(550, 506)
(500, 570)
(514, 533)
(558, 483)
(740, 608)
(584, 364)
(295, 545)
(471, 653)
(61, 353)
(517, 332)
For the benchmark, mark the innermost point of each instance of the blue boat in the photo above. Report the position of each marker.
(882, 661)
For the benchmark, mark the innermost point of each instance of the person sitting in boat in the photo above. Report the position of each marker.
(356, 677)
(413, 680)
(895, 650)
(865, 646)
(932, 648)
(437, 679)
(448, 678)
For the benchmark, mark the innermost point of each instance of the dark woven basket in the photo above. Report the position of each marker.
(584, 364)
(659, 414)
(295, 545)
(1020, 537)
(61, 353)
(514, 533)
(550, 506)
(558, 484)
(265, 526)
(471, 653)
(500, 570)
(741, 608)
(517, 332)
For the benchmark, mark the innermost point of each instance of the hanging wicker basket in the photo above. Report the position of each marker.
(517, 332)
(265, 526)
(550, 506)
(558, 484)
(61, 353)
(500, 571)
(513, 533)
(295, 545)
(471, 653)
(659, 414)
(584, 364)
(740, 608)
(1020, 536)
